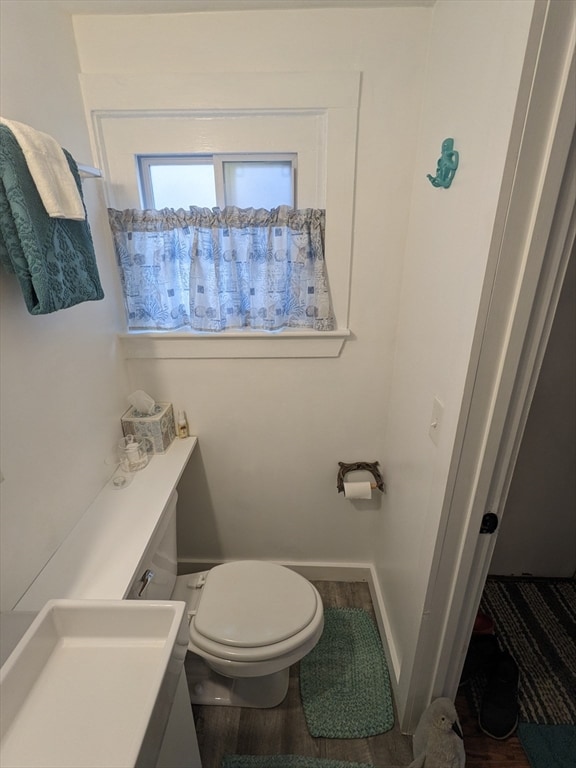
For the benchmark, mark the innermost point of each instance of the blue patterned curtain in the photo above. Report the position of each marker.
(213, 270)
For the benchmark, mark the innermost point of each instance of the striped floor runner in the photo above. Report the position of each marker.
(535, 620)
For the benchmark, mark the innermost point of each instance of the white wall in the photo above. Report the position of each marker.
(263, 483)
(272, 431)
(476, 53)
(63, 384)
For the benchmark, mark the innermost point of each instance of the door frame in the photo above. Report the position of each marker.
(533, 235)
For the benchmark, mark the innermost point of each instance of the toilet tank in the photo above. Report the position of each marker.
(156, 576)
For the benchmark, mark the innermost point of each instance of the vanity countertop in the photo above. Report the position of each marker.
(102, 553)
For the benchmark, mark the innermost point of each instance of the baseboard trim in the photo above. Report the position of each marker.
(310, 570)
(318, 571)
(385, 629)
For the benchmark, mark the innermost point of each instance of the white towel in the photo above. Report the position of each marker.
(50, 171)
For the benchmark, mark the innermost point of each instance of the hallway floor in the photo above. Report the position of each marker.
(283, 730)
(481, 750)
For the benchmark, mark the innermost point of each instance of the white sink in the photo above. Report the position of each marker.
(91, 684)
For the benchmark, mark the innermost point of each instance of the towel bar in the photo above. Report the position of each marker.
(88, 172)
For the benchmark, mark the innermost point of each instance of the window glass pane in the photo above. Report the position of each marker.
(258, 184)
(180, 186)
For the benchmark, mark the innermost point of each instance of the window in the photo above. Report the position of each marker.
(219, 245)
(314, 114)
(256, 180)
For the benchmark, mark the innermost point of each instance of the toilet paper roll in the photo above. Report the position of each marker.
(359, 490)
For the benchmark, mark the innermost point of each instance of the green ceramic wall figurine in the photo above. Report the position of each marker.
(447, 165)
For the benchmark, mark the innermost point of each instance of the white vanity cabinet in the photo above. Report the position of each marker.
(97, 563)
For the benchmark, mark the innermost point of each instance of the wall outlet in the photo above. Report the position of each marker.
(436, 421)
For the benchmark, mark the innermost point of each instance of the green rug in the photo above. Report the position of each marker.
(284, 761)
(549, 746)
(344, 682)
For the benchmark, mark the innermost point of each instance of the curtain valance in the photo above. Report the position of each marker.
(218, 269)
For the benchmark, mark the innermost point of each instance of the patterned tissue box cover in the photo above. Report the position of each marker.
(159, 427)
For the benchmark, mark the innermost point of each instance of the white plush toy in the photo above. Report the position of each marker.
(438, 741)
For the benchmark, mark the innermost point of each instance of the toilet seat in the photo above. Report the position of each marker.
(253, 611)
(248, 604)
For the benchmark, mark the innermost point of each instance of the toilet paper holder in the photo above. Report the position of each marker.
(368, 466)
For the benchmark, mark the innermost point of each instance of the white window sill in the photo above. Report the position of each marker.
(233, 344)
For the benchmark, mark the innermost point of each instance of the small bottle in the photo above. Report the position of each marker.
(134, 455)
(182, 424)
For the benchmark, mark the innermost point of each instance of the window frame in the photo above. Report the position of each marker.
(255, 157)
(217, 160)
(331, 98)
(144, 175)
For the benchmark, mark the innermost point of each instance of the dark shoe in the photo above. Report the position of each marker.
(483, 624)
(482, 656)
(499, 710)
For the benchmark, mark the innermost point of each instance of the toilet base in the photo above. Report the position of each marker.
(208, 687)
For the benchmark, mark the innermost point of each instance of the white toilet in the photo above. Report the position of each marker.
(249, 621)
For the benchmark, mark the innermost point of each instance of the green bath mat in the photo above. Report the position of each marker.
(344, 682)
(284, 761)
(548, 746)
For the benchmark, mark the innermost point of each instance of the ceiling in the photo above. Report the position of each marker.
(122, 7)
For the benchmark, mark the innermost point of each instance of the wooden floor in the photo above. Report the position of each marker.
(282, 729)
(481, 750)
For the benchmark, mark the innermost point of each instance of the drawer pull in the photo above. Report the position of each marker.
(145, 580)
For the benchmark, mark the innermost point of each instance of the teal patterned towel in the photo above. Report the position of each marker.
(53, 259)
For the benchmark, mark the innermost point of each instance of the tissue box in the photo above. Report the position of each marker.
(158, 427)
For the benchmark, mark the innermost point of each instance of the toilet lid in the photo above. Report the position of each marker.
(251, 604)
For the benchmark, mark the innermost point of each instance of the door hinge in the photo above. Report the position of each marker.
(489, 522)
